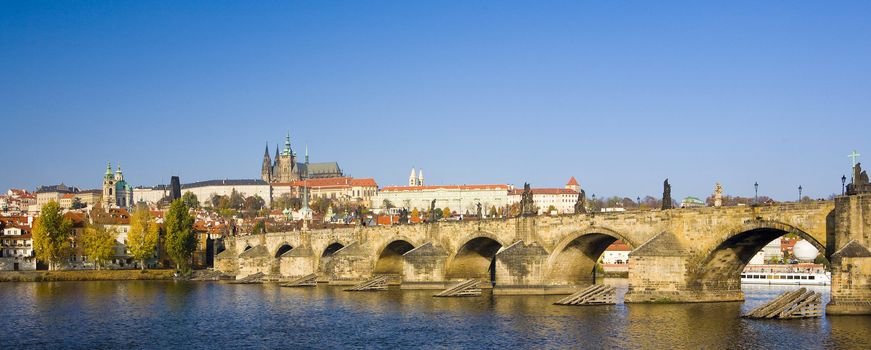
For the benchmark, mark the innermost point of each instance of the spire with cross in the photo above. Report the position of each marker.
(854, 155)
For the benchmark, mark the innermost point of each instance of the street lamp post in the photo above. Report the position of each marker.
(799, 193)
(638, 200)
(843, 183)
(594, 206)
(756, 193)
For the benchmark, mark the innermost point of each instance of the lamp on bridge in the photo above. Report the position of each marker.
(756, 195)
(638, 200)
(843, 183)
(799, 193)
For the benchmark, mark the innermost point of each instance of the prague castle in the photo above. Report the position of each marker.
(284, 167)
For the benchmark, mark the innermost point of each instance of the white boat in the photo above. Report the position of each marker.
(818, 278)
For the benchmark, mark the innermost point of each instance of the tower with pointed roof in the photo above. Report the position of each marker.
(285, 168)
(266, 168)
(412, 179)
(109, 187)
(573, 185)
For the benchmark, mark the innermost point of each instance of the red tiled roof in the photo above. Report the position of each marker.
(76, 217)
(367, 182)
(573, 182)
(618, 246)
(517, 192)
(444, 187)
(13, 220)
(68, 195)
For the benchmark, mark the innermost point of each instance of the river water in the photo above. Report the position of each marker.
(166, 314)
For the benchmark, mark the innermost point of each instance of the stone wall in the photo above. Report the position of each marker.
(851, 263)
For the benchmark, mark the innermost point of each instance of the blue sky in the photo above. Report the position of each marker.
(620, 94)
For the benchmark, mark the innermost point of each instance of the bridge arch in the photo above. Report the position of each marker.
(574, 258)
(475, 257)
(721, 267)
(331, 249)
(327, 254)
(389, 256)
(284, 247)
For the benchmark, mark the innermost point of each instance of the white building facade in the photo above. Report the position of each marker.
(459, 198)
(16, 249)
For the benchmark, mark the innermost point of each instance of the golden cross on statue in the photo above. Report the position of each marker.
(854, 155)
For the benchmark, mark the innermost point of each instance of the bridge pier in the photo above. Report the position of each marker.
(659, 272)
(521, 269)
(348, 265)
(851, 263)
(298, 262)
(424, 268)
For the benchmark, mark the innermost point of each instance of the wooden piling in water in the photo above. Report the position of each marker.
(598, 294)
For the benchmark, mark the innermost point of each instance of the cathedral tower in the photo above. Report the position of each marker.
(266, 168)
(285, 169)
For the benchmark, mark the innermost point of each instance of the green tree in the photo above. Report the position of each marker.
(415, 213)
(493, 212)
(252, 205)
(142, 238)
(446, 212)
(259, 227)
(551, 209)
(215, 201)
(236, 200)
(438, 213)
(98, 243)
(387, 204)
(190, 200)
(77, 204)
(51, 234)
(180, 240)
(320, 205)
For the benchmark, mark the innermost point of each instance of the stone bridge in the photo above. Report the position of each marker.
(679, 255)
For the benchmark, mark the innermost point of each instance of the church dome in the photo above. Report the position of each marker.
(805, 251)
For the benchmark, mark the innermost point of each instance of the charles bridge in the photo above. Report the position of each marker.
(678, 255)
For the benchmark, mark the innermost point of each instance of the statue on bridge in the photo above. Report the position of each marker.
(718, 195)
(666, 196)
(860, 183)
(527, 205)
(581, 203)
(432, 214)
(403, 216)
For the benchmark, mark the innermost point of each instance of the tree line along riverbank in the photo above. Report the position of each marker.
(85, 275)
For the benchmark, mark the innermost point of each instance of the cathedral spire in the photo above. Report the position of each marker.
(108, 168)
(266, 168)
(412, 179)
(287, 150)
(276, 154)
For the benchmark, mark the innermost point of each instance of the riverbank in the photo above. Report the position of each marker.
(85, 275)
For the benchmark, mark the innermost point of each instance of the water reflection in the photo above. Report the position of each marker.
(151, 314)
